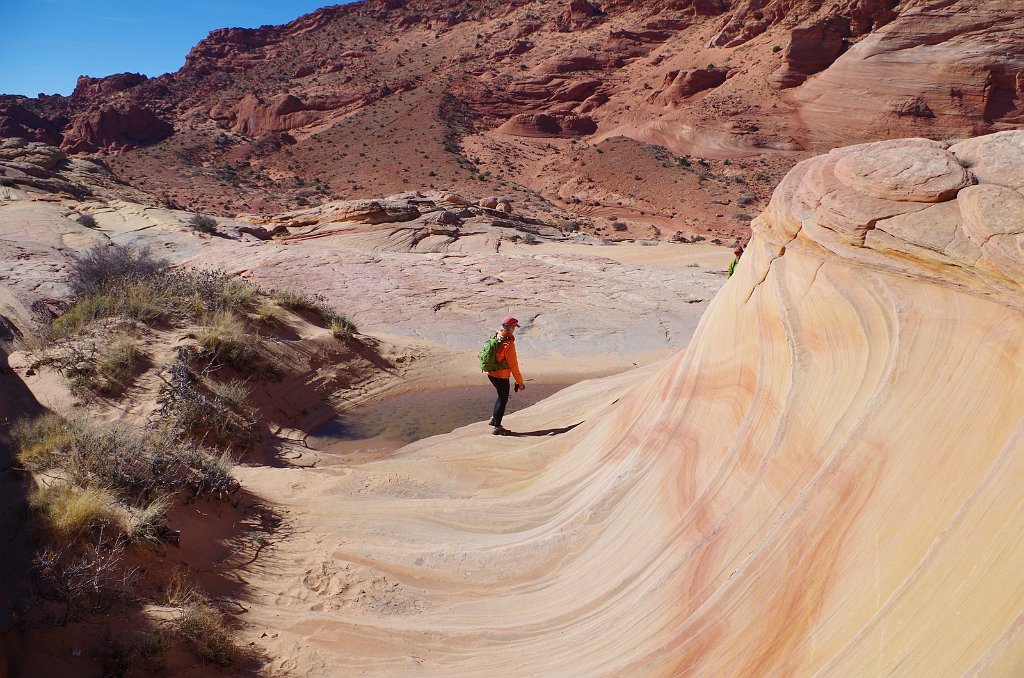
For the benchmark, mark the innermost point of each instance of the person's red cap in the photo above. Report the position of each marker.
(509, 321)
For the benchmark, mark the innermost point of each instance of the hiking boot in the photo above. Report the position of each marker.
(499, 431)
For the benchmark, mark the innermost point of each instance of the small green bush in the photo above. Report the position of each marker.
(87, 220)
(203, 223)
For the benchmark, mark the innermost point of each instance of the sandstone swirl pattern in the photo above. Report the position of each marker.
(828, 481)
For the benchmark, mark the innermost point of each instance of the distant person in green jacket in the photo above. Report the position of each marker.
(739, 253)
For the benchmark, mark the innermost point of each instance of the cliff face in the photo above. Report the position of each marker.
(827, 481)
(950, 69)
(378, 97)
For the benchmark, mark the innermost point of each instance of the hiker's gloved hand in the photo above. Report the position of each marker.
(520, 387)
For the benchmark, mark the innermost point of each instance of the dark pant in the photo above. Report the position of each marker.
(502, 387)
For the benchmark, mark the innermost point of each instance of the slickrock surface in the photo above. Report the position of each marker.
(421, 266)
(826, 482)
(434, 267)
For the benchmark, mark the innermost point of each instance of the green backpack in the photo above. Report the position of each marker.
(489, 355)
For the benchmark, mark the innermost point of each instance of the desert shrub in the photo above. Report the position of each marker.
(205, 628)
(187, 412)
(87, 577)
(103, 359)
(236, 294)
(224, 340)
(619, 225)
(161, 296)
(95, 269)
(145, 524)
(293, 299)
(87, 220)
(133, 464)
(115, 362)
(203, 223)
(86, 311)
(134, 655)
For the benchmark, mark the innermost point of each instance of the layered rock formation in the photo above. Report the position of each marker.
(827, 482)
(929, 72)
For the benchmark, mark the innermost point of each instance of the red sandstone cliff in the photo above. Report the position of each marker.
(388, 95)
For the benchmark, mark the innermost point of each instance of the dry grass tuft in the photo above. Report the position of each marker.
(39, 441)
(144, 524)
(341, 326)
(234, 392)
(68, 510)
(269, 314)
(224, 340)
(205, 628)
(115, 362)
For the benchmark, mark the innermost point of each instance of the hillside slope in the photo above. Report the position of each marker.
(592, 108)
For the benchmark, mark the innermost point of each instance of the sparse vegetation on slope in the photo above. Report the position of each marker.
(102, 493)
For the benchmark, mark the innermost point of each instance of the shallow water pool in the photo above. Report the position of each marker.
(373, 430)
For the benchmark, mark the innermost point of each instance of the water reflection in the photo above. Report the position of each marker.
(375, 429)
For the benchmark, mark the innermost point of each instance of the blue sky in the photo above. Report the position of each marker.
(46, 44)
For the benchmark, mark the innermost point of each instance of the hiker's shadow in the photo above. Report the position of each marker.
(544, 432)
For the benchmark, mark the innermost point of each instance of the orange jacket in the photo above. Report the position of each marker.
(506, 352)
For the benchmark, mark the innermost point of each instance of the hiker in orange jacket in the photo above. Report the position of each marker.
(506, 353)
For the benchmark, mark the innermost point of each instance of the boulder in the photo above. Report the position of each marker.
(548, 125)
(447, 218)
(811, 49)
(679, 85)
(32, 152)
(104, 87)
(18, 121)
(111, 128)
(579, 14)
